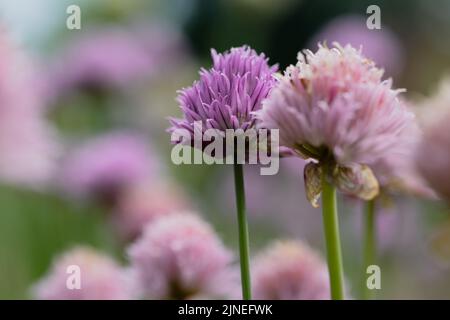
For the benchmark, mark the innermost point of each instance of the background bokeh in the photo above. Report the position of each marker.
(152, 48)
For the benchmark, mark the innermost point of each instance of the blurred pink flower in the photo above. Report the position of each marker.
(107, 164)
(114, 58)
(433, 153)
(28, 145)
(397, 173)
(180, 257)
(290, 270)
(382, 46)
(143, 203)
(100, 278)
(430, 110)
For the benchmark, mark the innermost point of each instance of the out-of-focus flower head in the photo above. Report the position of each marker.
(290, 270)
(226, 95)
(100, 278)
(381, 46)
(433, 153)
(334, 108)
(114, 58)
(28, 145)
(397, 173)
(143, 203)
(431, 110)
(107, 164)
(180, 257)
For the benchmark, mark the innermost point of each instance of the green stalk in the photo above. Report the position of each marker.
(369, 246)
(332, 238)
(243, 231)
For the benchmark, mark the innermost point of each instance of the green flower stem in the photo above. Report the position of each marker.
(332, 238)
(369, 246)
(243, 231)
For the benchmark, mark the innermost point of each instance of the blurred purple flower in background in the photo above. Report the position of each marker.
(143, 203)
(115, 58)
(28, 145)
(100, 278)
(382, 46)
(102, 167)
(290, 270)
(228, 93)
(180, 257)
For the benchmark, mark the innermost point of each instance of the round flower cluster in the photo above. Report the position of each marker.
(290, 271)
(334, 108)
(84, 274)
(179, 256)
(226, 95)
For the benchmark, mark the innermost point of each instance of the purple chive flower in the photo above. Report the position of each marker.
(28, 144)
(333, 106)
(102, 167)
(100, 278)
(381, 46)
(433, 153)
(180, 257)
(226, 95)
(290, 270)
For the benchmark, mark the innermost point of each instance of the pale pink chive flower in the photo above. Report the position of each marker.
(290, 270)
(333, 106)
(381, 46)
(101, 278)
(226, 95)
(102, 167)
(28, 145)
(144, 203)
(180, 257)
(433, 153)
